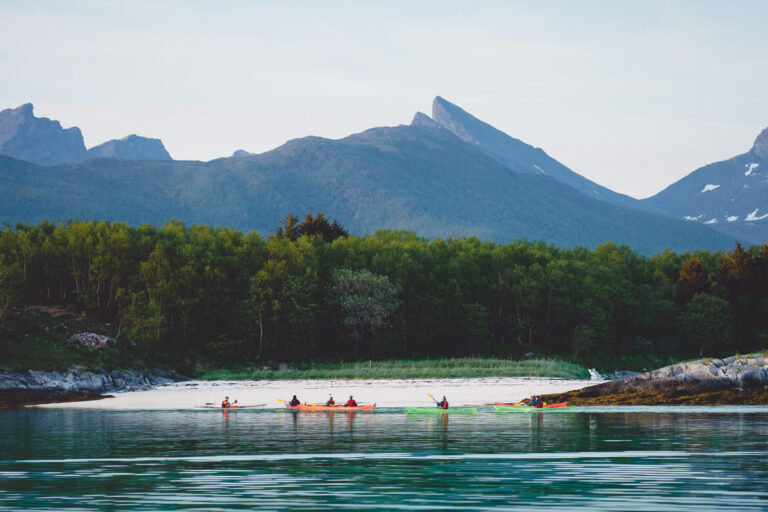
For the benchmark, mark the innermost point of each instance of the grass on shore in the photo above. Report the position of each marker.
(408, 369)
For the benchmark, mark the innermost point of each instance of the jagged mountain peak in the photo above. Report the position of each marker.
(27, 110)
(422, 119)
(38, 139)
(516, 154)
(761, 145)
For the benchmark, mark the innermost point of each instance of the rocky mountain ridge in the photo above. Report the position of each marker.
(730, 196)
(42, 141)
(38, 139)
(132, 147)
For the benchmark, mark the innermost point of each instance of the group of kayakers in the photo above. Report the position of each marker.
(535, 401)
(294, 402)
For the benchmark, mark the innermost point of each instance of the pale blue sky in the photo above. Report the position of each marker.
(633, 95)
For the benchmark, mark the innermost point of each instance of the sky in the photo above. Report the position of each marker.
(633, 95)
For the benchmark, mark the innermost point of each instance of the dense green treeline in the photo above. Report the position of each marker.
(223, 296)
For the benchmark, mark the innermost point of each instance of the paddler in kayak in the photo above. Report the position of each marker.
(535, 402)
(225, 403)
(351, 402)
(443, 404)
(294, 401)
(330, 402)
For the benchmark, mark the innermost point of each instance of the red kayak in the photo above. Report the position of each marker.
(548, 406)
(230, 407)
(304, 407)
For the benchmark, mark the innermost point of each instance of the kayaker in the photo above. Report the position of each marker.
(535, 402)
(443, 404)
(351, 402)
(330, 402)
(294, 401)
(225, 403)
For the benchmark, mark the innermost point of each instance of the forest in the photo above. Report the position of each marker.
(312, 292)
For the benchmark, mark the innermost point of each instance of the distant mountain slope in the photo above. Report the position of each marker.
(730, 196)
(514, 153)
(131, 147)
(38, 139)
(44, 142)
(413, 178)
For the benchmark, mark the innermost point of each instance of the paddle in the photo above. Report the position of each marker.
(433, 398)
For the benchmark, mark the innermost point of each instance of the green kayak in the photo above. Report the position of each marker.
(437, 410)
(525, 408)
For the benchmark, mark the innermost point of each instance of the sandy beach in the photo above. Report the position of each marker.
(385, 393)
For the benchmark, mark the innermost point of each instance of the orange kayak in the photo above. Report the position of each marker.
(548, 406)
(340, 408)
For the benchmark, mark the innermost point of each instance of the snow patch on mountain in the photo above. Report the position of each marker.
(750, 168)
(753, 216)
(732, 218)
(711, 221)
(709, 187)
(689, 217)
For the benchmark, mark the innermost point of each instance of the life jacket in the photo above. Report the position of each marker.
(225, 403)
(444, 404)
(350, 403)
(294, 402)
(330, 403)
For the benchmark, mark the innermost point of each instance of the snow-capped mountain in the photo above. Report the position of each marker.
(730, 196)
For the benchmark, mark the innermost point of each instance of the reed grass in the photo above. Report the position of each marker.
(407, 369)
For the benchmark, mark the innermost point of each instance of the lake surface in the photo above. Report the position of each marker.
(649, 458)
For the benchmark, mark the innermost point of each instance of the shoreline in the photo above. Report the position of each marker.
(735, 380)
(385, 393)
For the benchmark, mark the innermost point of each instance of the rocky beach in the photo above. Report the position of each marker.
(77, 383)
(735, 380)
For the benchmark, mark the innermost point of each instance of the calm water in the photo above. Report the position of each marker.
(600, 459)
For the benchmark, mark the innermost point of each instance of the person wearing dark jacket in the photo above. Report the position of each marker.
(443, 404)
(330, 402)
(294, 401)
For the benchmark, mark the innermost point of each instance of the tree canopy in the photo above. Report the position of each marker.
(220, 294)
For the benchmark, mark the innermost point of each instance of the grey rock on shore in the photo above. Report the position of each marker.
(740, 371)
(81, 380)
(740, 379)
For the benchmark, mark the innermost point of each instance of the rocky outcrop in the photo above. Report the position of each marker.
(32, 386)
(131, 147)
(241, 153)
(38, 139)
(733, 380)
(91, 339)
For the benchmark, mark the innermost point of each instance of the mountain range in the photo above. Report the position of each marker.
(446, 175)
(44, 142)
(730, 196)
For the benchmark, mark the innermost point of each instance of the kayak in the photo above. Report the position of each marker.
(437, 410)
(340, 408)
(550, 406)
(230, 407)
(527, 408)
